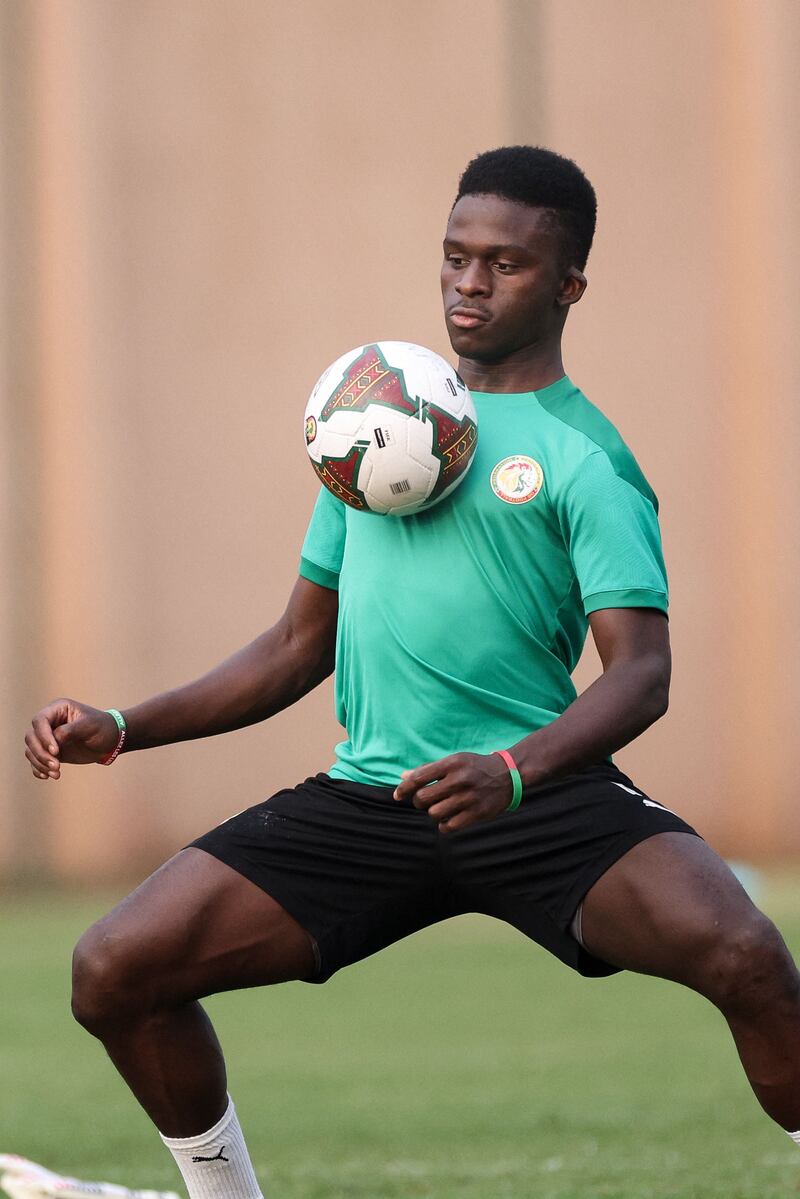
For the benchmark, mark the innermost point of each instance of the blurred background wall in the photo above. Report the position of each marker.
(205, 201)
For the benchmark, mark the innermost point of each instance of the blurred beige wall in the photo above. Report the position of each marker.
(205, 202)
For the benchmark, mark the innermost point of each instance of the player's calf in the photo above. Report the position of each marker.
(751, 978)
(672, 908)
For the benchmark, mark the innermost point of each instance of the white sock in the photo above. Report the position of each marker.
(795, 1137)
(216, 1164)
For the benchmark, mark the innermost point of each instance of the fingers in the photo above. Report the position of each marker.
(37, 751)
(425, 797)
(444, 812)
(448, 800)
(463, 819)
(42, 747)
(412, 781)
(458, 812)
(42, 769)
(43, 730)
(456, 791)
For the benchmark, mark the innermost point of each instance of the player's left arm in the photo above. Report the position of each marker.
(630, 695)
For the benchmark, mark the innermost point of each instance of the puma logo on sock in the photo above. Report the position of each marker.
(216, 1158)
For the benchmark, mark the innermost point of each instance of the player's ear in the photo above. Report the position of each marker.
(573, 285)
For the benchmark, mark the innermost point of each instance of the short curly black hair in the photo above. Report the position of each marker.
(542, 179)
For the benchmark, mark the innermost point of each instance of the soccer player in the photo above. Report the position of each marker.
(553, 531)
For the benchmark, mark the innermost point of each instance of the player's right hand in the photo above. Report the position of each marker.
(66, 731)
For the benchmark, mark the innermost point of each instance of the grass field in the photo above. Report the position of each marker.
(461, 1064)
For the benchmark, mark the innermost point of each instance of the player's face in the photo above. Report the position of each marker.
(503, 287)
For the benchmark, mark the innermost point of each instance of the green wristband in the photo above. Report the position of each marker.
(123, 732)
(516, 794)
(120, 719)
(516, 779)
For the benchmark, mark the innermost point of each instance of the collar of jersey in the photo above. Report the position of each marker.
(553, 391)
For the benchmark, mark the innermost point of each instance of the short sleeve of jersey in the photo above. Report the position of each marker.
(613, 539)
(323, 547)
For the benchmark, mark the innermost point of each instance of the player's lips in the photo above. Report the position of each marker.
(467, 318)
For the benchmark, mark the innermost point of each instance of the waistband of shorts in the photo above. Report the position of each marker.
(385, 792)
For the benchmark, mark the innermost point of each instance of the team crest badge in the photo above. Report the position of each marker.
(517, 479)
(311, 429)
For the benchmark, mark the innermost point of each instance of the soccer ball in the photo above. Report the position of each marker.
(390, 427)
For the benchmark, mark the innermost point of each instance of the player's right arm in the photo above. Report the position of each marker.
(266, 676)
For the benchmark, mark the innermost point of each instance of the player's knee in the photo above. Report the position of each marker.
(101, 980)
(749, 969)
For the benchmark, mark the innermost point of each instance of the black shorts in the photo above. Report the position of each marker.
(359, 870)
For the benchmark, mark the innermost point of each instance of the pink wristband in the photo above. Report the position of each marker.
(509, 761)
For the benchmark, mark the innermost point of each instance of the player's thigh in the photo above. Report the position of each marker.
(671, 907)
(193, 928)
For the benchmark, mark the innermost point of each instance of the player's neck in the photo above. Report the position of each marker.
(529, 369)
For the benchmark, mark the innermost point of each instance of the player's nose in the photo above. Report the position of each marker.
(475, 280)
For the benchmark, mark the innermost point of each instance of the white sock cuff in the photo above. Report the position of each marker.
(202, 1138)
(795, 1137)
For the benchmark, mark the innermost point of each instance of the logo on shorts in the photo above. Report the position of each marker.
(517, 479)
(648, 803)
(311, 429)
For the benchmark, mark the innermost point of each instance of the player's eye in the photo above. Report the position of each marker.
(456, 260)
(505, 268)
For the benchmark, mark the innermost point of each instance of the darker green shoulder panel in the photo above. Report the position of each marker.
(571, 407)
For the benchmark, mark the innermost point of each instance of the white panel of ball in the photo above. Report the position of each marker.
(402, 472)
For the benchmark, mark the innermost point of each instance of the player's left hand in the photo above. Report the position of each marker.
(459, 790)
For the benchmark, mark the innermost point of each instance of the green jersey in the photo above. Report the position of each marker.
(459, 627)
